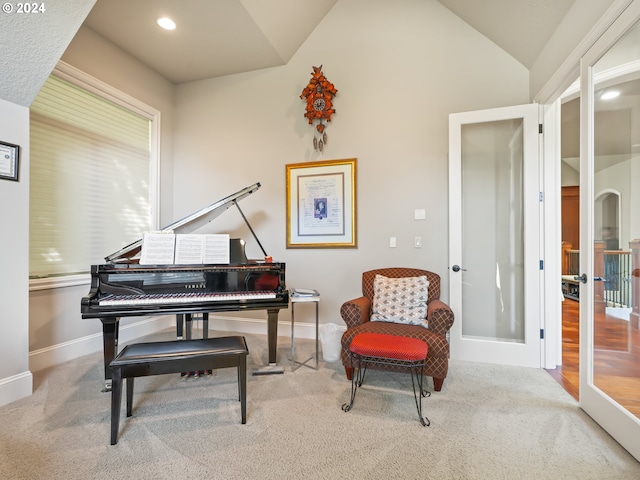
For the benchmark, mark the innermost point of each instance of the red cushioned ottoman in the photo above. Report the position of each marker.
(369, 348)
(390, 347)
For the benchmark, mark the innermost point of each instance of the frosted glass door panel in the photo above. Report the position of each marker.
(492, 230)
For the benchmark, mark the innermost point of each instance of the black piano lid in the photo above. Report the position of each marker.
(187, 224)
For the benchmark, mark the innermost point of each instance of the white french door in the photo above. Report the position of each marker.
(494, 235)
(610, 231)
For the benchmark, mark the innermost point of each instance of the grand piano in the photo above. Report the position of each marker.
(123, 287)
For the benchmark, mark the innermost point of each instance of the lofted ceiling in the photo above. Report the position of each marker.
(222, 37)
(212, 38)
(519, 27)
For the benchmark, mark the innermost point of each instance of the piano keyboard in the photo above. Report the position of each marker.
(172, 298)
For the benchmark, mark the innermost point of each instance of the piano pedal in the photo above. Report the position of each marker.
(195, 374)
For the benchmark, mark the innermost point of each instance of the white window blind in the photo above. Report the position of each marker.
(89, 188)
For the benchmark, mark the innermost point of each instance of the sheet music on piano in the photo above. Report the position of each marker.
(166, 248)
(208, 249)
(158, 248)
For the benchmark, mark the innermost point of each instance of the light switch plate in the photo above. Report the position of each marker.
(392, 242)
(419, 214)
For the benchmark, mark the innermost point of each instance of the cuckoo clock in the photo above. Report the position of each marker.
(318, 95)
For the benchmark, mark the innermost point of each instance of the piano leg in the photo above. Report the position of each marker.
(180, 318)
(189, 321)
(205, 325)
(272, 339)
(179, 326)
(110, 346)
(272, 333)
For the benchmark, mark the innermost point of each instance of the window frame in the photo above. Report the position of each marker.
(72, 74)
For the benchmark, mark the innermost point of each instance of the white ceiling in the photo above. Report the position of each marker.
(222, 37)
(212, 38)
(519, 27)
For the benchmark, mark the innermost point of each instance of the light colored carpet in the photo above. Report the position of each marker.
(489, 422)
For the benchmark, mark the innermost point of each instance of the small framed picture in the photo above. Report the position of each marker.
(9, 154)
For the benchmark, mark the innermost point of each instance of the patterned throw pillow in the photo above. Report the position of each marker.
(400, 300)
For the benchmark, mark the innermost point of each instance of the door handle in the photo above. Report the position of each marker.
(583, 278)
(457, 268)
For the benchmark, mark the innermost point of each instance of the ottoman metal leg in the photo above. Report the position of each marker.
(420, 393)
(356, 381)
(417, 383)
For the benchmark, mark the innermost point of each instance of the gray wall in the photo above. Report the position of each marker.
(14, 254)
(400, 68)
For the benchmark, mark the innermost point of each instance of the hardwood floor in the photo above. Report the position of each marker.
(616, 358)
(568, 374)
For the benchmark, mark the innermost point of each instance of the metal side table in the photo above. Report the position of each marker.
(302, 299)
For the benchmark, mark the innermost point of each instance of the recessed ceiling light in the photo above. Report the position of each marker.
(166, 23)
(610, 94)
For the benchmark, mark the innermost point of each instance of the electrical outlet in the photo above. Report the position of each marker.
(392, 242)
(417, 242)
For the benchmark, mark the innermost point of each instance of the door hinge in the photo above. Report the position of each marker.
(539, 128)
(541, 264)
(541, 196)
(542, 334)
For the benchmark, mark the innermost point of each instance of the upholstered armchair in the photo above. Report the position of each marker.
(356, 314)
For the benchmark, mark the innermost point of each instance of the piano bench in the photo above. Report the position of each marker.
(158, 358)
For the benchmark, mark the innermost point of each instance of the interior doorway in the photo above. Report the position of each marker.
(607, 218)
(616, 336)
(568, 372)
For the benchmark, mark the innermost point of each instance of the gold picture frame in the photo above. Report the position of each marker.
(321, 204)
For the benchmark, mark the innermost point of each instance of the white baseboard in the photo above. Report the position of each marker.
(63, 352)
(15, 387)
(258, 326)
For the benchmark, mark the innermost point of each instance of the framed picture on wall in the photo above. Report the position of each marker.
(9, 154)
(321, 204)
